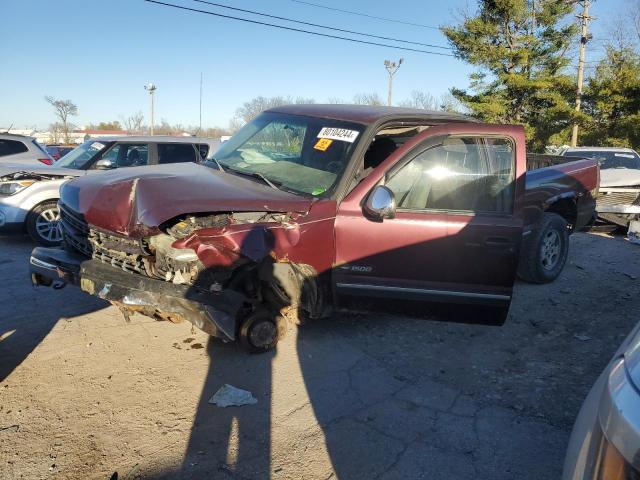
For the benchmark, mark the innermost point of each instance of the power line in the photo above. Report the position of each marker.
(366, 15)
(320, 26)
(292, 29)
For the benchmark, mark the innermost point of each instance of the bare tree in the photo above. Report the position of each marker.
(419, 99)
(63, 109)
(133, 123)
(55, 130)
(251, 109)
(367, 99)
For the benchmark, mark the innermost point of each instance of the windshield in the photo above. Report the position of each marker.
(609, 159)
(297, 153)
(80, 156)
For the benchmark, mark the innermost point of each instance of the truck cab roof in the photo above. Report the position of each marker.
(368, 115)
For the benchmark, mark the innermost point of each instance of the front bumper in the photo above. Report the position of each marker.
(12, 217)
(214, 313)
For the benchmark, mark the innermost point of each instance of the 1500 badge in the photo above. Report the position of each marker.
(357, 268)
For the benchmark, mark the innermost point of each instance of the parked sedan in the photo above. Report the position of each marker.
(29, 196)
(59, 151)
(605, 442)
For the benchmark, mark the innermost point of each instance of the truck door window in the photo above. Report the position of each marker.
(177, 153)
(456, 175)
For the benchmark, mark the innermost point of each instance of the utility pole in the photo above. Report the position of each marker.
(392, 68)
(200, 127)
(151, 88)
(584, 38)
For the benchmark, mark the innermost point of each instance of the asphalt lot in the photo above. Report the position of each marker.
(83, 394)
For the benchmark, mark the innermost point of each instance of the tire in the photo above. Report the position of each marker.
(545, 250)
(260, 331)
(43, 224)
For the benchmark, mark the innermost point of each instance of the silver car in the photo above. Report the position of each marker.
(23, 150)
(29, 196)
(605, 442)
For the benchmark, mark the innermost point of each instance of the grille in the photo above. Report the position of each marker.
(612, 198)
(121, 252)
(75, 230)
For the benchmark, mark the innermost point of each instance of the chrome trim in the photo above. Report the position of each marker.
(424, 291)
(619, 413)
(39, 263)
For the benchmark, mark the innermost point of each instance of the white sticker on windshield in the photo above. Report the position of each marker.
(341, 134)
(625, 155)
(97, 145)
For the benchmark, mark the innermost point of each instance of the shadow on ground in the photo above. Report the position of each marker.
(362, 396)
(33, 312)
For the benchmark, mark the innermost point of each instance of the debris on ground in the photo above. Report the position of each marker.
(188, 340)
(197, 346)
(10, 428)
(230, 396)
(582, 338)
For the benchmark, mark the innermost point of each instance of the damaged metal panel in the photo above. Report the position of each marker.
(123, 202)
(214, 313)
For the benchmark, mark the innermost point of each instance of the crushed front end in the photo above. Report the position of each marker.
(618, 205)
(211, 270)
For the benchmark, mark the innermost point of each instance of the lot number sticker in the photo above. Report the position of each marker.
(323, 144)
(342, 134)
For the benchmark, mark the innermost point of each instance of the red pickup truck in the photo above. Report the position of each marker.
(309, 207)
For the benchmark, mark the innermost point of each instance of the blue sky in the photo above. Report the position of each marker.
(100, 54)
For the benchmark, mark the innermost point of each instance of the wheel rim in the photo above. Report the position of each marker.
(263, 334)
(550, 250)
(48, 225)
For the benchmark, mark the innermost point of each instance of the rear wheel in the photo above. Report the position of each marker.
(261, 330)
(545, 250)
(43, 224)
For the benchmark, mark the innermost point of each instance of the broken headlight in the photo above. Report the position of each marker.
(11, 188)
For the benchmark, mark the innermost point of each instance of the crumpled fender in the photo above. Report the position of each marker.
(224, 247)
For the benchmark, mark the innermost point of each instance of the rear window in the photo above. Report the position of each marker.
(12, 147)
(178, 153)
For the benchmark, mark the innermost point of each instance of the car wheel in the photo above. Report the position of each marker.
(545, 251)
(260, 331)
(43, 224)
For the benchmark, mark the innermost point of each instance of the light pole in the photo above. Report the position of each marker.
(151, 88)
(392, 68)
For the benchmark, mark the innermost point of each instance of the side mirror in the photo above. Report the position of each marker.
(104, 164)
(380, 204)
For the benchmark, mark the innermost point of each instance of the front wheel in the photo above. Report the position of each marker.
(260, 331)
(545, 250)
(43, 224)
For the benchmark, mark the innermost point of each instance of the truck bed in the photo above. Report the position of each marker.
(571, 185)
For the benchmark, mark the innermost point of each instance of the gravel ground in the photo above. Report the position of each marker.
(83, 394)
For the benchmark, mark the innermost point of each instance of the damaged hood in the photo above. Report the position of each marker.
(7, 169)
(135, 201)
(619, 177)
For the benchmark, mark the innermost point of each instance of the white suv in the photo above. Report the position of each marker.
(22, 150)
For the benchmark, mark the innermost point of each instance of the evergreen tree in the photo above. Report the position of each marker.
(520, 48)
(612, 99)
